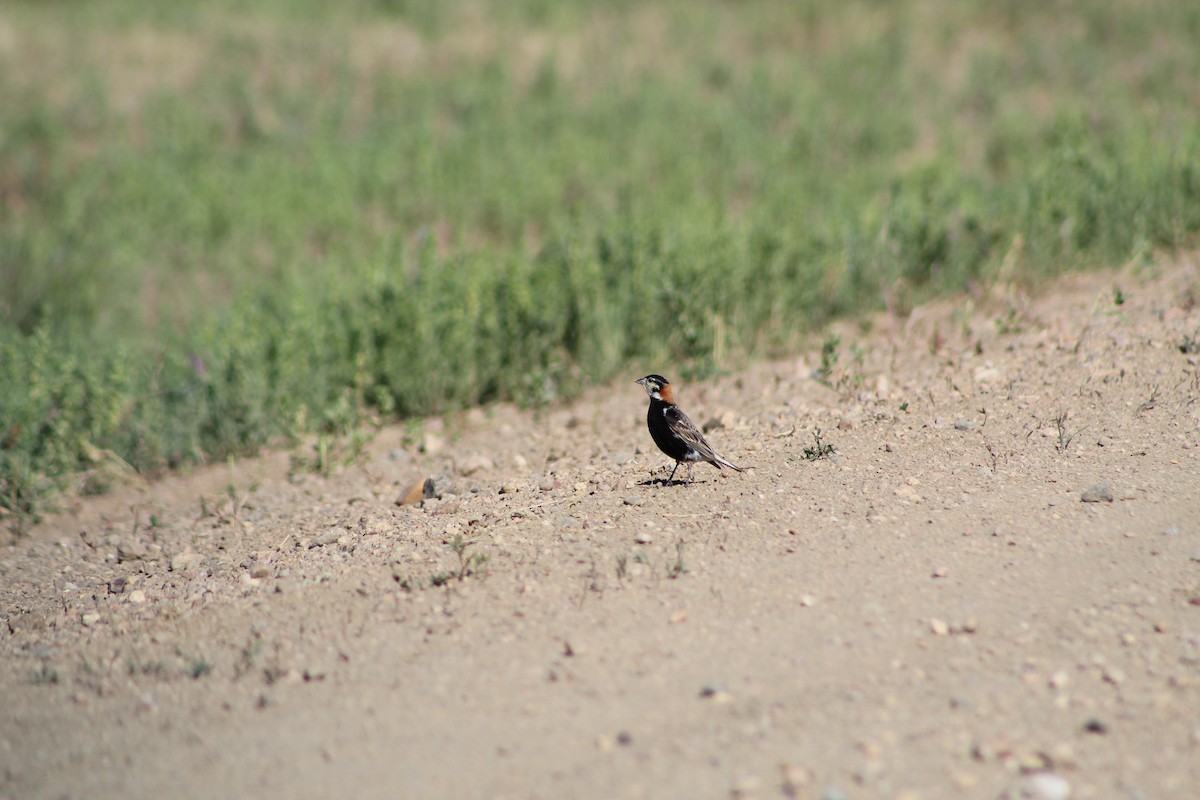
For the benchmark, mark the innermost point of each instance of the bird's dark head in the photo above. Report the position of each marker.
(657, 387)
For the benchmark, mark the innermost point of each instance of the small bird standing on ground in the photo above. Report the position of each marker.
(673, 432)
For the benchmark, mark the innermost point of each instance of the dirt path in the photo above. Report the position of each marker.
(930, 611)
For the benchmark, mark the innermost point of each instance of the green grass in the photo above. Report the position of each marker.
(222, 225)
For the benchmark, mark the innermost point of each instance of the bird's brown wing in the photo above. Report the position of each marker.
(682, 427)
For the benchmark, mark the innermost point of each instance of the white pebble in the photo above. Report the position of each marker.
(1046, 786)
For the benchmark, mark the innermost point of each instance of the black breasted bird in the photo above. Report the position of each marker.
(673, 432)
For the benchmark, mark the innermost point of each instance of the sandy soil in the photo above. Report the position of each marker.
(930, 611)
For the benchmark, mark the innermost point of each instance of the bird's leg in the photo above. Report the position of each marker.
(677, 463)
(690, 476)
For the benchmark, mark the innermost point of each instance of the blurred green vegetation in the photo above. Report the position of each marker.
(224, 223)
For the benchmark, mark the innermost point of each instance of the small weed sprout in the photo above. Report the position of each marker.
(829, 359)
(1009, 322)
(819, 449)
(858, 355)
(827, 373)
(468, 563)
(591, 583)
(936, 341)
(248, 656)
(150, 669)
(994, 456)
(330, 451)
(45, 675)
(226, 511)
(1150, 401)
(1119, 296)
(678, 568)
(1065, 435)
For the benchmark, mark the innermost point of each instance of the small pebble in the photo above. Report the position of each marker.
(440, 486)
(1046, 786)
(1097, 493)
(432, 443)
(939, 627)
(90, 618)
(131, 551)
(414, 494)
(475, 463)
(328, 537)
(643, 538)
(547, 484)
(187, 560)
(987, 374)
(965, 425)
(795, 779)
(747, 786)
(634, 500)
(137, 596)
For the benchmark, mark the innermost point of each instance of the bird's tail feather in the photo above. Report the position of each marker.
(721, 461)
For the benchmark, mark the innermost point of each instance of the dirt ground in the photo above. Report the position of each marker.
(932, 610)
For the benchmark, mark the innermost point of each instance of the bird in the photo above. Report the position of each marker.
(673, 432)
